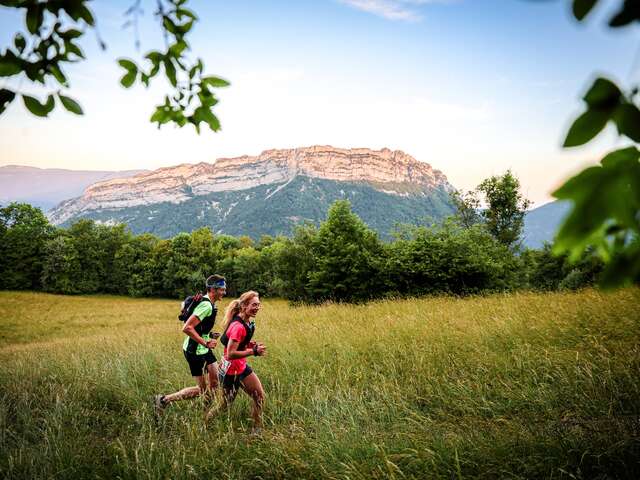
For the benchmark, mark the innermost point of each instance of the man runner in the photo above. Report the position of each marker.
(197, 346)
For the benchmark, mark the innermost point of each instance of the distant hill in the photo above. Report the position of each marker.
(542, 223)
(46, 187)
(268, 194)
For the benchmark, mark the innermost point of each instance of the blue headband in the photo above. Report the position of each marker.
(217, 284)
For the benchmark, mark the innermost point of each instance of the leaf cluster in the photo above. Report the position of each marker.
(51, 42)
(606, 214)
(193, 97)
(606, 198)
(605, 103)
(42, 53)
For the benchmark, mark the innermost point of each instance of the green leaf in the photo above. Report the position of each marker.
(6, 97)
(618, 158)
(49, 104)
(198, 67)
(37, 108)
(128, 78)
(177, 48)
(169, 26)
(70, 34)
(154, 56)
(157, 116)
(34, 17)
(183, 12)
(170, 70)
(161, 115)
(585, 127)
(603, 94)
(582, 7)
(215, 82)
(602, 197)
(186, 27)
(71, 47)
(10, 64)
(132, 71)
(19, 42)
(86, 15)
(629, 13)
(71, 105)
(128, 65)
(204, 114)
(56, 71)
(627, 118)
(53, 6)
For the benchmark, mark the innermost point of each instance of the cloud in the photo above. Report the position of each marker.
(403, 10)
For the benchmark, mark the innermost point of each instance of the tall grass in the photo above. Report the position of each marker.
(511, 386)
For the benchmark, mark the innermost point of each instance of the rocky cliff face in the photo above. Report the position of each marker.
(389, 171)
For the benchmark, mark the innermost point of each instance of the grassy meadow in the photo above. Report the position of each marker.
(524, 385)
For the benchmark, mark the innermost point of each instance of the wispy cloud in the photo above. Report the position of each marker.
(403, 10)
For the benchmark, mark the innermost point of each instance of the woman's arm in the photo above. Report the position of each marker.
(234, 354)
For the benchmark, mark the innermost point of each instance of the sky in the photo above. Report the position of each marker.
(472, 87)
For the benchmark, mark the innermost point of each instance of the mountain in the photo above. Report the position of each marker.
(268, 194)
(46, 187)
(542, 223)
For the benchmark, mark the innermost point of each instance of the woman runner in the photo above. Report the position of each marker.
(234, 371)
(197, 347)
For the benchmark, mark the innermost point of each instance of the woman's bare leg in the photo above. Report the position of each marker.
(226, 399)
(253, 387)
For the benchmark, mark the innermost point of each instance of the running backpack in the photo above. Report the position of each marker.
(249, 329)
(189, 305)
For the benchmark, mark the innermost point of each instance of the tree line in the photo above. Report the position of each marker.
(475, 251)
(608, 226)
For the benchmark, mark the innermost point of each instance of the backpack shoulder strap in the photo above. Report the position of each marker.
(224, 339)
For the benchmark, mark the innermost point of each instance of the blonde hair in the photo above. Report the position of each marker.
(236, 305)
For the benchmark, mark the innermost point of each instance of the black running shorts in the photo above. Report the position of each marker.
(232, 382)
(197, 363)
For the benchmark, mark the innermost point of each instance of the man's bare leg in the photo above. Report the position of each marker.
(185, 393)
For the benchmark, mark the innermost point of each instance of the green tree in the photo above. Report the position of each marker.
(51, 42)
(181, 275)
(606, 198)
(24, 230)
(96, 246)
(467, 207)
(347, 258)
(61, 267)
(548, 271)
(506, 208)
(132, 266)
(292, 262)
(249, 270)
(450, 258)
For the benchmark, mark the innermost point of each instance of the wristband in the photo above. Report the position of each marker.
(255, 350)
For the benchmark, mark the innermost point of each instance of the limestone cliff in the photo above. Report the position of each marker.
(386, 170)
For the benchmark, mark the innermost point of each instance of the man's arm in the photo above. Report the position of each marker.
(189, 329)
